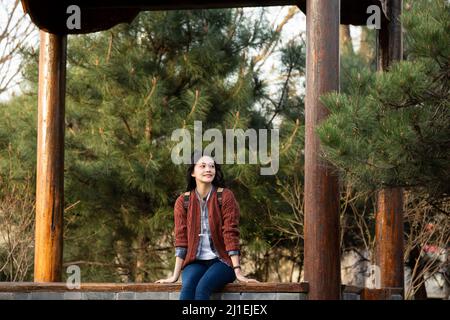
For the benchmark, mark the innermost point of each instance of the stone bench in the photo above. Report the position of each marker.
(146, 291)
(154, 291)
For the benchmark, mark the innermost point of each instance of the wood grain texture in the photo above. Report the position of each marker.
(389, 237)
(50, 158)
(321, 230)
(151, 287)
(380, 294)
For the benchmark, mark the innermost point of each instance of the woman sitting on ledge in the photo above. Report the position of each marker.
(206, 233)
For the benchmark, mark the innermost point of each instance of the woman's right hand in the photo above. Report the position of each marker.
(171, 279)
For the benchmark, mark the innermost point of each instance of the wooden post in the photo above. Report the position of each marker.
(322, 253)
(389, 218)
(389, 237)
(390, 37)
(50, 158)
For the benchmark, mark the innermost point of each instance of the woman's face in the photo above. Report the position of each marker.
(204, 170)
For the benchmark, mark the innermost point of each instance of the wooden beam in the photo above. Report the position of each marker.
(380, 294)
(389, 218)
(50, 158)
(97, 15)
(290, 287)
(322, 253)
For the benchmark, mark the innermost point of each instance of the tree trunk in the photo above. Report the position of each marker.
(120, 259)
(345, 39)
(140, 245)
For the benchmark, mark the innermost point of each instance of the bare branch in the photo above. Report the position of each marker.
(15, 33)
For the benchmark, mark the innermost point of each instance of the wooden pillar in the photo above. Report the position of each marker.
(389, 218)
(50, 158)
(389, 237)
(390, 37)
(322, 252)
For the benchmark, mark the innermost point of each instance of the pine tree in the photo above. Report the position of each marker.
(17, 188)
(128, 88)
(392, 129)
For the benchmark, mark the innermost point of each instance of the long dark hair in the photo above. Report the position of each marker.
(218, 180)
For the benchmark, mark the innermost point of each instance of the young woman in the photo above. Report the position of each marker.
(206, 233)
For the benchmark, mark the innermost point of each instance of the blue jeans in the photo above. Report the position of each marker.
(203, 277)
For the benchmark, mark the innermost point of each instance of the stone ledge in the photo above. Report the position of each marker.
(153, 291)
(96, 295)
(265, 287)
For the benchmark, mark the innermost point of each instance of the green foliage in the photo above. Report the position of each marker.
(17, 188)
(163, 72)
(352, 61)
(392, 128)
(127, 89)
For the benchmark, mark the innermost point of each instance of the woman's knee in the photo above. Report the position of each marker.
(192, 274)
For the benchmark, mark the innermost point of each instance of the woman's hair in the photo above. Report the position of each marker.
(218, 180)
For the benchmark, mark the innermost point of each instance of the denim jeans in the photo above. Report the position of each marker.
(202, 277)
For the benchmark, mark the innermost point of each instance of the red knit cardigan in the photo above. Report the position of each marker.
(224, 225)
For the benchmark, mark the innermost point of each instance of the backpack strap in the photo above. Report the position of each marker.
(186, 200)
(219, 197)
(188, 194)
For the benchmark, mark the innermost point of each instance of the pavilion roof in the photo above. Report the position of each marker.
(97, 15)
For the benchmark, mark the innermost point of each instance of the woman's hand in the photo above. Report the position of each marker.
(176, 272)
(171, 279)
(241, 278)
